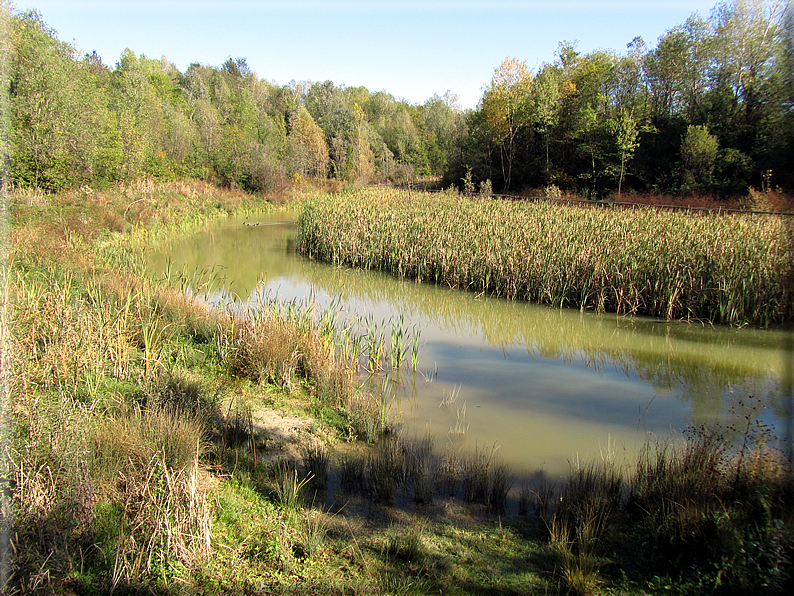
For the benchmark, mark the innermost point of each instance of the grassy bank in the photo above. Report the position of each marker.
(732, 269)
(160, 447)
(140, 454)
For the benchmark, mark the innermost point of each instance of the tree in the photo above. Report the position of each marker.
(307, 148)
(327, 105)
(587, 111)
(677, 70)
(547, 97)
(626, 139)
(747, 43)
(54, 100)
(506, 105)
(698, 152)
(139, 114)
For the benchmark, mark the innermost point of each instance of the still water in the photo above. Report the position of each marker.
(543, 386)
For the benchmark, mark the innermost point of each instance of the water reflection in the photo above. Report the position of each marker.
(544, 384)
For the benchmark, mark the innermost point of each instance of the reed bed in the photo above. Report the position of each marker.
(724, 268)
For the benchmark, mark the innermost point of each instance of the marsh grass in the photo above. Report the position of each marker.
(712, 511)
(316, 461)
(286, 485)
(313, 532)
(110, 426)
(400, 470)
(486, 480)
(725, 268)
(115, 391)
(404, 543)
(461, 427)
(718, 506)
(162, 527)
(370, 415)
(588, 500)
(353, 474)
(123, 492)
(447, 474)
(448, 399)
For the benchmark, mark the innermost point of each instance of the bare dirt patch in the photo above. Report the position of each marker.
(286, 435)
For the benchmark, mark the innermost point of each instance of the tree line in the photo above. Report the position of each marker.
(74, 121)
(708, 109)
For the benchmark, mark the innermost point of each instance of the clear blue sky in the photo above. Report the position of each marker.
(409, 48)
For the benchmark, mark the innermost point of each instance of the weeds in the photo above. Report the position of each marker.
(716, 506)
(709, 511)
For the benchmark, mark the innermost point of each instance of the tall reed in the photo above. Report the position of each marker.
(732, 268)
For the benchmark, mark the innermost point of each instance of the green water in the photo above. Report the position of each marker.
(544, 386)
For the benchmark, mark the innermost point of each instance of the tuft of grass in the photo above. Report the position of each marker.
(404, 543)
(286, 486)
(316, 461)
(385, 470)
(447, 475)
(587, 503)
(485, 480)
(312, 532)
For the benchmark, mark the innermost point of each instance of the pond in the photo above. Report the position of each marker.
(545, 387)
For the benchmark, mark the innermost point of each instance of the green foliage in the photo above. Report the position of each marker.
(592, 115)
(506, 105)
(698, 154)
(75, 122)
(55, 99)
(308, 151)
(590, 123)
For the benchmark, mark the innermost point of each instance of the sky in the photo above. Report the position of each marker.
(411, 49)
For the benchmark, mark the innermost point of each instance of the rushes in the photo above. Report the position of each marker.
(315, 460)
(411, 468)
(713, 511)
(447, 399)
(724, 268)
(281, 343)
(285, 485)
(485, 479)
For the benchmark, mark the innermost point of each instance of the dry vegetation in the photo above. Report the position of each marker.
(724, 268)
(140, 461)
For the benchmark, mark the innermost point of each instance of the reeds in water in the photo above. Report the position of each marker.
(725, 268)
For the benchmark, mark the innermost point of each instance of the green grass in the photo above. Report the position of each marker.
(732, 269)
(137, 465)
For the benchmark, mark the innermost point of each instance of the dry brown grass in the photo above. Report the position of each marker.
(771, 200)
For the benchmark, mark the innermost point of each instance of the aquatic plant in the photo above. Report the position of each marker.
(723, 267)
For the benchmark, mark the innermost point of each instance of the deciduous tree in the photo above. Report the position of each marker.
(507, 108)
